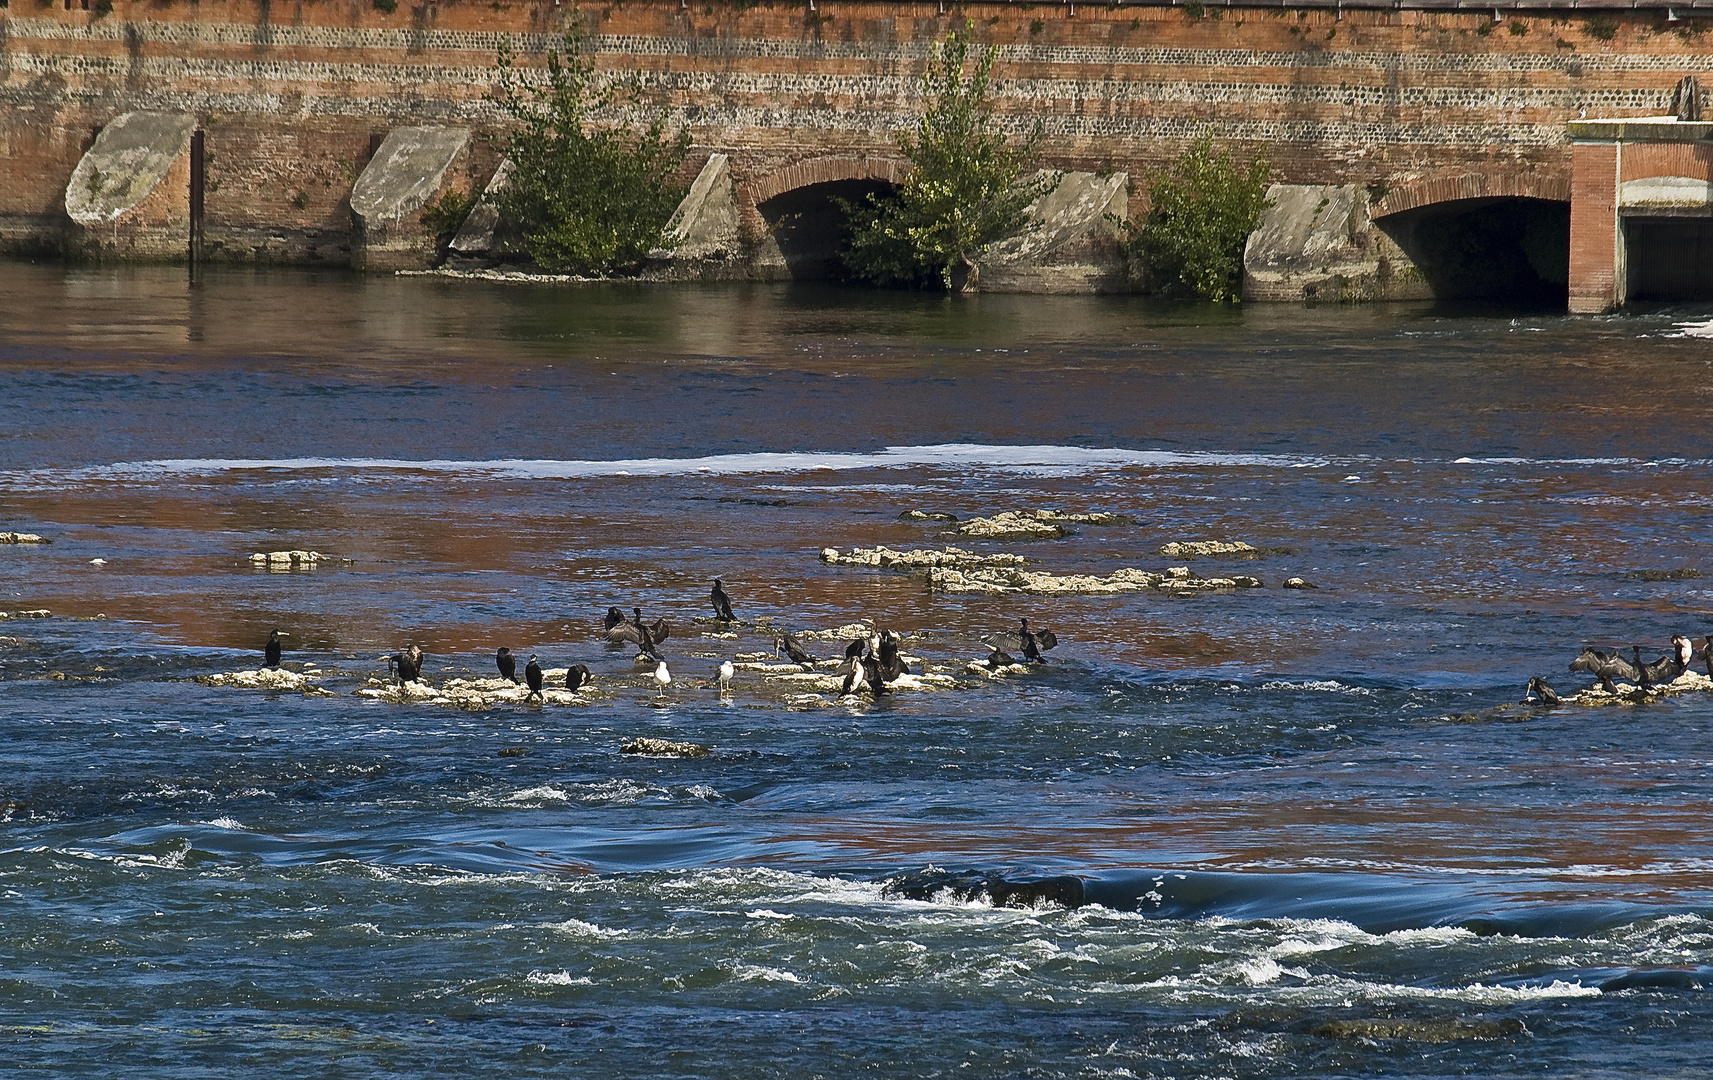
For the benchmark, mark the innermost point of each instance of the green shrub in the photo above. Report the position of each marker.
(586, 200)
(445, 216)
(1200, 213)
(386, 7)
(966, 186)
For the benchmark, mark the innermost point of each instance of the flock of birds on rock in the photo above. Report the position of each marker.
(1609, 666)
(873, 661)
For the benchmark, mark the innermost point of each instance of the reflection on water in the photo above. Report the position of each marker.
(1286, 807)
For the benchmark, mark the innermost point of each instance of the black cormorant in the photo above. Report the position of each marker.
(532, 676)
(722, 603)
(507, 664)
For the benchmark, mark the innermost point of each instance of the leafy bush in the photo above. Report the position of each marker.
(966, 186)
(1200, 213)
(586, 200)
(446, 216)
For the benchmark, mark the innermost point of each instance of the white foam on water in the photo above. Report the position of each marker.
(759, 973)
(577, 928)
(1027, 459)
(1320, 686)
(557, 978)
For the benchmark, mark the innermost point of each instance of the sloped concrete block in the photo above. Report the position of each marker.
(479, 236)
(1316, 242)
(702, 241)
(705, 225)
(129, 197)
(1071, 241)
(413, 167)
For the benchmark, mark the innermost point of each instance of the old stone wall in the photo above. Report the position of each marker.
(294, 96)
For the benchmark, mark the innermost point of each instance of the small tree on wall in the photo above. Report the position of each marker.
(587, 200)
(965, 188)
(1199, 215)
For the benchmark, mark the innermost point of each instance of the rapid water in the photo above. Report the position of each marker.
(1252, 834)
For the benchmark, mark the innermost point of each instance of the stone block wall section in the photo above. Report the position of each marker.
(294, 97)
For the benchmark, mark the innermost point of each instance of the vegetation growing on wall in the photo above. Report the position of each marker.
(586, 199)
(1199, 215)
(966, 186)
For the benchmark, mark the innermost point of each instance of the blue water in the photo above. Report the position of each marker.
(1207, 829)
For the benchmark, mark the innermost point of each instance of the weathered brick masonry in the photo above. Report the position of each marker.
(1425, 105)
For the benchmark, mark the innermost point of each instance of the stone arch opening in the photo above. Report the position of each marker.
(1498, 249)
(807, 225)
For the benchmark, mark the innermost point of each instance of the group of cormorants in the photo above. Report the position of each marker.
(873, 661)
(1611, 666)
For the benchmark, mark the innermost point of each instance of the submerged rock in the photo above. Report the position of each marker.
(926, 515)
(22, 538)
(1065, 891)
(33, 613)
(664, 748)
(1298, 583)
(918, 559)
(1433, 1031)
(259, 679)
(1690, 574)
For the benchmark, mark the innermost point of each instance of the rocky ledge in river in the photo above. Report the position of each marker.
(260, 679)
(477, 693)
(292, 560)
(1031, 524)
(917, 559)
(1177, 580)
(664, 748)
(22, 538)
(1234, 549)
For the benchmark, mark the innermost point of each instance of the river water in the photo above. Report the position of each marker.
(1276, 832)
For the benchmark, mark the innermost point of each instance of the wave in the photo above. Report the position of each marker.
(1033, 460)
(1029, 459)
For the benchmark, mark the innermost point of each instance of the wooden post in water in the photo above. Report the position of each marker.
(197, 176)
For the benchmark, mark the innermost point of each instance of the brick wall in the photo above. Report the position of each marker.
(292, 94)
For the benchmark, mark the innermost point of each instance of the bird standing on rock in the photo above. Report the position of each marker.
(405, 665)
(532, 675)
(271, 651)
(891, 663)
(724, 674)
(1539, 693)
(1031, 644)
(794, 650)
(722, 603)
(662, 677)
(576, 675)
(507, 664)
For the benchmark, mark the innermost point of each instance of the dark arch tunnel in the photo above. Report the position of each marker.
(1508, 250)
(808, 224)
